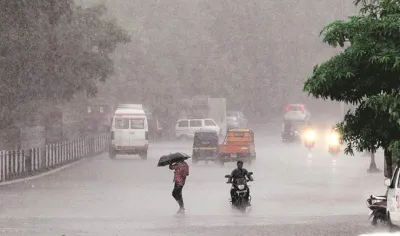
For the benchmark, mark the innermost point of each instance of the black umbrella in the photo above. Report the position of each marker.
(171, 158)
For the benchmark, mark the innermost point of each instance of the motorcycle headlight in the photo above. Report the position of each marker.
(241, 187)
(334, 139)
(310, 135)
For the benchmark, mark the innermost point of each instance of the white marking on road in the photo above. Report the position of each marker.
(333, 171)
(309, 162)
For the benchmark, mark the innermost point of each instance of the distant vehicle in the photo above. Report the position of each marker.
(335, 143)
(205, 107)
(292, 131)
(296, 112)
(155, 129)
(186, 128)
(236, 119)
(205, 146)
(129, 131)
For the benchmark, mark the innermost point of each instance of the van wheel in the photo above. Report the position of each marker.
(392, 228)
(143, 155)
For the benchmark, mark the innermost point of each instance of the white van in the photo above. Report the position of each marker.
(129, 133)
(393, 198)
(185, 128)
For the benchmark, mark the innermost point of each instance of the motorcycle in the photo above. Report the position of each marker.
(335, 143)
(292, 137)
(377, 205)
(309, 139)
(241, 189)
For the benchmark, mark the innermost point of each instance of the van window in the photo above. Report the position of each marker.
(183, 123)
(209, 123)
(195, 123)
(121, 123)
(137, 123)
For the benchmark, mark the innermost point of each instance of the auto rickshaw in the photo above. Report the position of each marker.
(205, 146)
(238, 145)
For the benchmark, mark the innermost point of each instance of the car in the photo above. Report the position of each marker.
(186, 128)
(296, 112)
(236, 119)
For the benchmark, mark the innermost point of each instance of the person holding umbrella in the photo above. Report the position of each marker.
(176, 162)
(181, 169)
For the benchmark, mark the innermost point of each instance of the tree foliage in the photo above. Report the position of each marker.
(51, 50)
(368, 66)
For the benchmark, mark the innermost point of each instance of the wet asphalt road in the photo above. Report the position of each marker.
(294, 193)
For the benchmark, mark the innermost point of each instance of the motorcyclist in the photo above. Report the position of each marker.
(287, 129)
(238, 173)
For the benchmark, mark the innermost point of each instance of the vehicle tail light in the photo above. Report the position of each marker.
(302, 109)
(112, 135)
(287, 108)
(146, 135)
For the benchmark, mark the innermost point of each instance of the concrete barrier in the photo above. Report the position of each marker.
(16, 164)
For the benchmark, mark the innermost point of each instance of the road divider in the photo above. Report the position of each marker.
(17, 164)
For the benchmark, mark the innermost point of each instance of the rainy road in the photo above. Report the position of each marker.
(294, 193)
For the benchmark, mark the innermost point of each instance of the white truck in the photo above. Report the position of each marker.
(129, 131)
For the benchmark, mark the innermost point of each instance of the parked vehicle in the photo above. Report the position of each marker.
(205, 146)
(377, 205)
(238, 145)
(236, 119)
(129, 132)
(186, 128)
(393, 200)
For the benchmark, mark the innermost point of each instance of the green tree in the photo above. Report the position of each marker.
(51, 50)
(369, 65)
